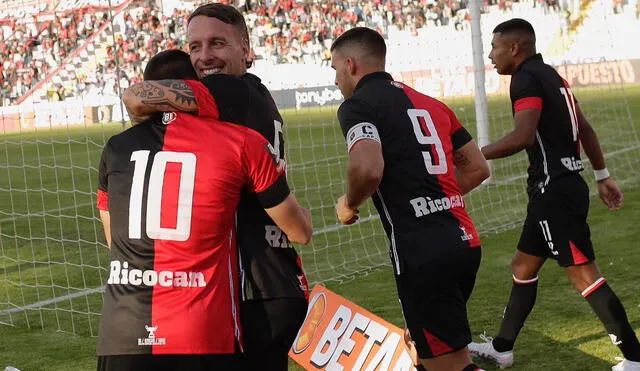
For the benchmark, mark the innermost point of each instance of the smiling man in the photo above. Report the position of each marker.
(273, 284)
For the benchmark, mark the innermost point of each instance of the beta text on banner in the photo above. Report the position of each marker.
(339, 335)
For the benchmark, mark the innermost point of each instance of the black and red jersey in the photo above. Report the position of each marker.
(419, 201)
(270, 268)
(172, 187)
(556, 150)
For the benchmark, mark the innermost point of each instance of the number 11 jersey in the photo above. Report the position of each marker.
(419, 201)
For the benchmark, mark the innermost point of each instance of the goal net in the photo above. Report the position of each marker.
(53, 256)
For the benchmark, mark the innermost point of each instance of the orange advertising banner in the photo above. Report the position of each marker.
(340, 335)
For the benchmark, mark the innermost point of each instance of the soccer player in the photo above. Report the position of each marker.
(550, 126)
(273, 285)
(410, 154)
(168, 192)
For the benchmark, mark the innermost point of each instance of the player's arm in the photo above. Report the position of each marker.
(366, 163)
(106, 225)
(608, 189)
(521, 137)
(471, 166)
(364, 173)
(526, 94)
(148, 97)
(103, 197)
(293, 219)
(268, 180)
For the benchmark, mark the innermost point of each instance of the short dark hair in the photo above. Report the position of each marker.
(170, 64)
(515, 24)
(370, 39)
(227, 14)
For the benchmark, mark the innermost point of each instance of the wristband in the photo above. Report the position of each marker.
(601, 174)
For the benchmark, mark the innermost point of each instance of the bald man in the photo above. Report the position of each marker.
(410, 154)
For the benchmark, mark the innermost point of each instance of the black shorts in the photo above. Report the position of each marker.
(197, 362)
(556, 224)
(269, 328)
(434, 302)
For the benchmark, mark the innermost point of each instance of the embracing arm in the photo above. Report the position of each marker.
(148, 97)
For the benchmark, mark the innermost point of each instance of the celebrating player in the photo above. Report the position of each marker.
(274, 287)
(550, 125)
(411, 154)
(173, 186)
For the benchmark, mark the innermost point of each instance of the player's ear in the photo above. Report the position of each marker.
(245, 48)
(352, 67)
(515, 48)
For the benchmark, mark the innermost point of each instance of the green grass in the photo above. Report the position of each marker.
(51, 244)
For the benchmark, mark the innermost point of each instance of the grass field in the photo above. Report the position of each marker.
(52, 253)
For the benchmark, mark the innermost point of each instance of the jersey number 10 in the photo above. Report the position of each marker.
(154, 195)
(432, 138)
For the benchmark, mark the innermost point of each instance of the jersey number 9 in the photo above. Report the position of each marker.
(430, 138)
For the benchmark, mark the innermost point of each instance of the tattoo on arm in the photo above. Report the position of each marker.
(459, 159)
(166, 95)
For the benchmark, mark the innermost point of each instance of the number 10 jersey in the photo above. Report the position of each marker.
(172, 187)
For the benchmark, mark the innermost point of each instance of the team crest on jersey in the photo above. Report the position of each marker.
(169, 117)
(465, 236)
(152, 339)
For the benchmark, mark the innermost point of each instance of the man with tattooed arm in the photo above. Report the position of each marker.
(170, 301)
(273, 285)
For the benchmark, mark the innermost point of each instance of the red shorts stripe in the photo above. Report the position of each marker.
(437, 346)
(578, 256)
(528, 103)
(103, 200)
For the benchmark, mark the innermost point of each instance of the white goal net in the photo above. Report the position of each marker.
(53, 257)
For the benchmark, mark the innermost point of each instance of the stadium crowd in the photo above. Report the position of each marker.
(282, 31)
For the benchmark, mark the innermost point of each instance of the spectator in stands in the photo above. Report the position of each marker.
(281, 31)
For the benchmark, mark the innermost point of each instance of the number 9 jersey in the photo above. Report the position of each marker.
(419, 201)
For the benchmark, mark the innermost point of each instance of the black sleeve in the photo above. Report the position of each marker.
(460, 138)
(357, 122)
(275, 194)
(232, 96)
(525, 85)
